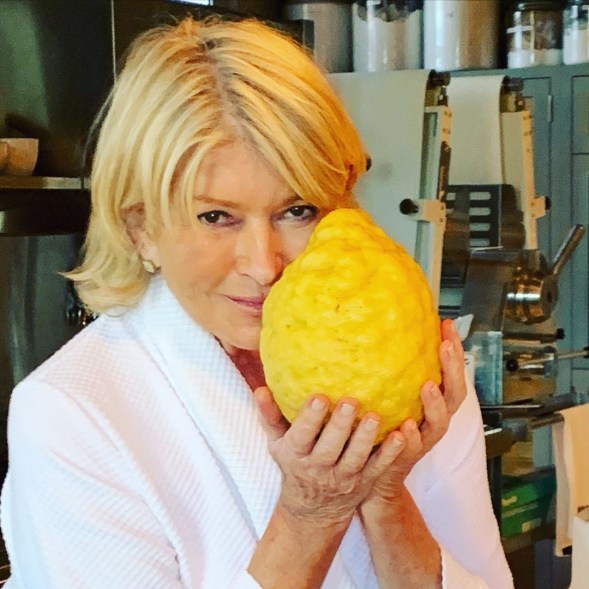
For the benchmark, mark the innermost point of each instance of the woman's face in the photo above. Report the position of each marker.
(250, 226)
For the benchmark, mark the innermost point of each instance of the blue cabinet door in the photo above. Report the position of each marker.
(580, 263)
(580, 130)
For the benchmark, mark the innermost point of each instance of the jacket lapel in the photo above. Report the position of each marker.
(218, 400)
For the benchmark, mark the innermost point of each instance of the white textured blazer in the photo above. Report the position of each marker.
(137, 460)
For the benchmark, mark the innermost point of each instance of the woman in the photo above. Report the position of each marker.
(138, 455)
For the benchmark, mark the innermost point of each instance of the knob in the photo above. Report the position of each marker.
(408, 207)
(439, 78)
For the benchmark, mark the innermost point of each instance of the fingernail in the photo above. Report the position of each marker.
(371, 424)
(317, 405)
(397, 442)
(411, 425)
(435, 392)
(450, 349)
(347, 409)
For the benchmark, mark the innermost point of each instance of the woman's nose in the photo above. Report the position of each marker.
(260, 254)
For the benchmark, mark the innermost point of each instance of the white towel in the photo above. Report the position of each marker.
(580, 550)
(571, 458)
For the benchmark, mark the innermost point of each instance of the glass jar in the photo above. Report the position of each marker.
(575, 44)
(332, 30)
(460, 34)
(534, 34)
(387, 34)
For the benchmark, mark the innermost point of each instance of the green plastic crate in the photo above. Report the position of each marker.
(527, 502)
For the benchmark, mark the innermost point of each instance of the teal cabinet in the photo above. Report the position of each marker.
(580, 279)
(580, 100)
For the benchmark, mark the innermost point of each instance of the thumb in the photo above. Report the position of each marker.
(272, 420)
(453, 366)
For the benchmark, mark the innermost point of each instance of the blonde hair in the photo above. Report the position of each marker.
(185, 90)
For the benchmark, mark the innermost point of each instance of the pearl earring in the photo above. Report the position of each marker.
(149, 266)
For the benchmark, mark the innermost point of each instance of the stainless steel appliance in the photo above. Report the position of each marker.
(40, 236)
(512, 294)
(493, 269)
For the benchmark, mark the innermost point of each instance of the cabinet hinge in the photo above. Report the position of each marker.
(549, 108)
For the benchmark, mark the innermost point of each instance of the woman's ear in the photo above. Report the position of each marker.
(146, 246)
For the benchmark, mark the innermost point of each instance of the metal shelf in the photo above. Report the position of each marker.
(498, 441)
(42, 183)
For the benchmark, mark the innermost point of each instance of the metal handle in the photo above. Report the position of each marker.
(513, 364)
(565, 251)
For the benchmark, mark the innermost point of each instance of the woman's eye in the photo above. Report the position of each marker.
(302, 212)
(213, 217)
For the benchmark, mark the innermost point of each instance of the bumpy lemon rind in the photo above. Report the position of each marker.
(352, 316)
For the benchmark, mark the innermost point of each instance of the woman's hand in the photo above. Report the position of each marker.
(330, 469)
(328, 465)
(439, 404)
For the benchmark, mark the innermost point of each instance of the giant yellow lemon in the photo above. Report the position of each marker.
(352, 316)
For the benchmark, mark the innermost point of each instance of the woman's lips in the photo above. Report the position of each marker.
(252, 304)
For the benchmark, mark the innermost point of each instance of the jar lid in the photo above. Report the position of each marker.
(409, 5)
(539, 5)
(318, 1)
